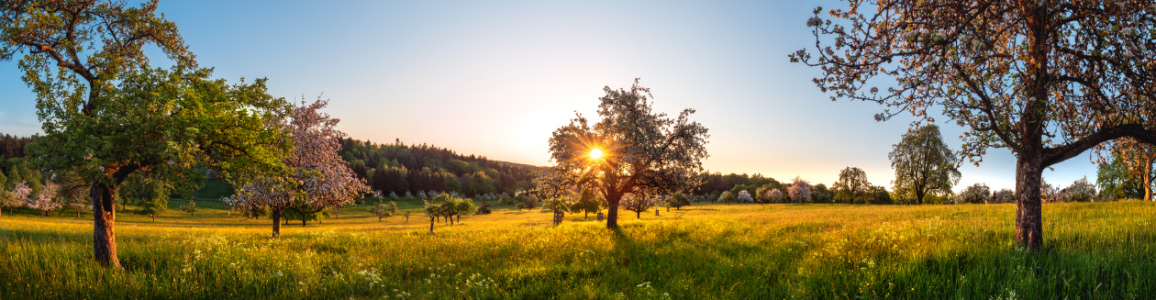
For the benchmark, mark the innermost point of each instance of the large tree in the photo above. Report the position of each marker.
(108, 114)
(639, 151)
(318, 178)
(1046, 79)
(923, 164)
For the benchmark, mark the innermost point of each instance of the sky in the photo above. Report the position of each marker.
(495, 78)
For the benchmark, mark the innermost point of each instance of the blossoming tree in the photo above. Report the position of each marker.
(318, 178)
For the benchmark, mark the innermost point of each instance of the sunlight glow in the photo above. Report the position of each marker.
(596, 153)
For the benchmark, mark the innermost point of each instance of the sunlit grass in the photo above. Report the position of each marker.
(1094, 250)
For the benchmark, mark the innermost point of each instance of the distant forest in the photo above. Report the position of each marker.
(398, 168)
(13, 146)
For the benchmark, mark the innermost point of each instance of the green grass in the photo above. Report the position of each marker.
(1093, 251)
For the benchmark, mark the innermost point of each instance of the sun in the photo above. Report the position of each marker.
(596, 153)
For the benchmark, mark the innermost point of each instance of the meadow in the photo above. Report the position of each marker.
(704, 251)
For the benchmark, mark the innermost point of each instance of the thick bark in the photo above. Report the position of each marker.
(103, 233)
(1029, 221)
(918, 196)
(276, 216)
(612, 213)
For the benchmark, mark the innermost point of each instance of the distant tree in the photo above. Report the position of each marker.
(155, 198)
(1003, 196)
(820, 194)
(852, 186)
(1047, 80)
(1080, 191)
(1050, 193)
(384, 210)
(744, 196)
(190, 207)
(677, 201)
(407, 214)
(800, 190)
(318, 179)
(775, 196)
(726, 197)
(879, 195)
(976, 193)
(923, 163)
(762, 194)
(1116, 181)
(20, 195)
(638, 203)
(588, 202)
(44, 200)
(642, 151)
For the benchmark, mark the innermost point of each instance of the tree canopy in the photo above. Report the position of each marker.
(642, 151)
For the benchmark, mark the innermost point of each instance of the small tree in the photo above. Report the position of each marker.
(1003, 196)
(384, 210)
(7, 200)
(190, 207)
(588, 202)
(744, 196)
(976, 193)
(775, 196)
(1080, 191)
(407, 214)
(820, 194)
(852, 186)
(677, 201)
(154, 198)
(20, 194)
(44, 200)
(879, 195)
(800, 190)
(726, 197)
(638, 203)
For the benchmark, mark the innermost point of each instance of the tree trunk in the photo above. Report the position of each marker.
(1148, 178)
(459, 218)
(379, 219)
(1029, 221)
(431, 223)
(919, 196)
(154, 216)
(638, 214)
(302, 220)
(276, 216)
(1029, 156)
(103, 232)
(612, 213)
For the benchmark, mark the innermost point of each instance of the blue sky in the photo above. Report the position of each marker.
(495, 78)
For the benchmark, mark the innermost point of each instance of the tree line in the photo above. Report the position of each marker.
(404, 170)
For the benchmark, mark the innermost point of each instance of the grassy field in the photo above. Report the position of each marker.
(1093, 251)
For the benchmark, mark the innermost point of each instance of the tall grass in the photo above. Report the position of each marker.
(1093, 251)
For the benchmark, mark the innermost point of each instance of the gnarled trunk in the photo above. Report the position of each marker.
(103, 233)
